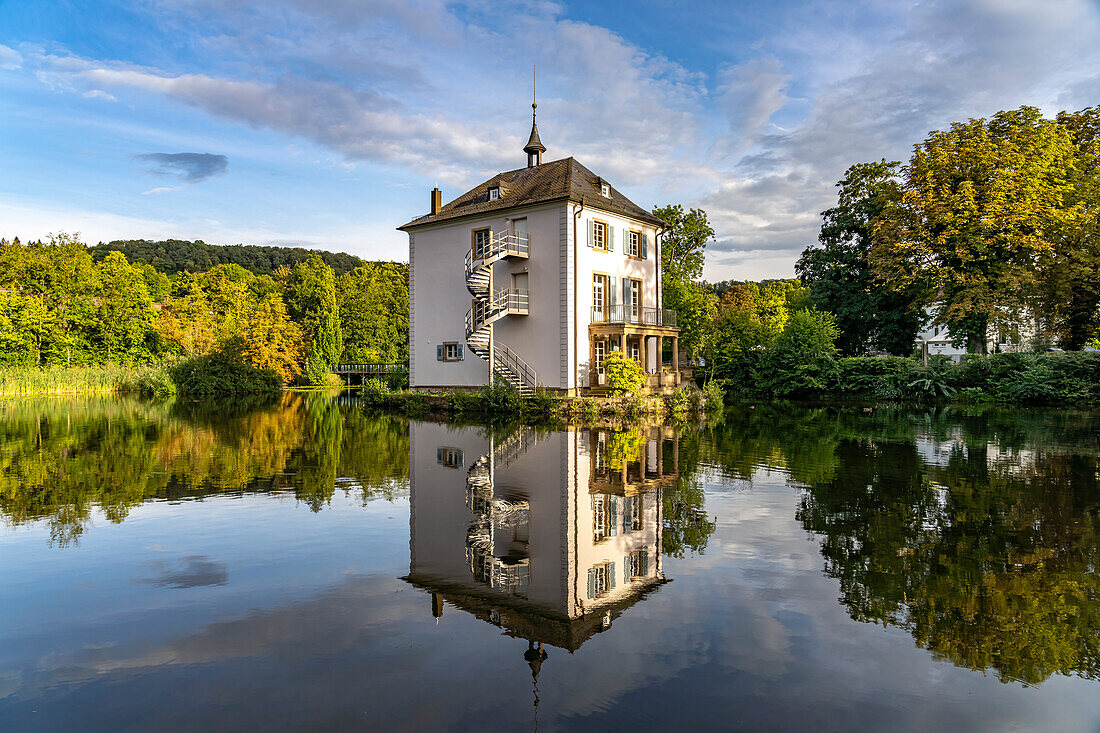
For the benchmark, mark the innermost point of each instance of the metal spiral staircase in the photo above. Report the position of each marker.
(490, 305)
(509, 573)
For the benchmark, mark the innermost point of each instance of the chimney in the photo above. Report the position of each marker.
(437, 200)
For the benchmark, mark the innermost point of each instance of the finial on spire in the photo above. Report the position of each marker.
(534, 147)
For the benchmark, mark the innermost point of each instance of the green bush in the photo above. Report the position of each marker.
(802, 361)
(374, 392)
(540, 405)
(155, 383)
(624, 376)
(872, 375)
(933, 382)
(715, 396)
(220, 374)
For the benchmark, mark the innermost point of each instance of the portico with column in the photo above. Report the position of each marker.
(641, 342)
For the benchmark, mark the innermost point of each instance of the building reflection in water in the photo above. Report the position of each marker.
(549, 536)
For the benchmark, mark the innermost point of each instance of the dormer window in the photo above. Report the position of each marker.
(494, 193)
(605, 190)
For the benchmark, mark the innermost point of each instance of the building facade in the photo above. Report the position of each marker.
(535, 275)
(550, 536)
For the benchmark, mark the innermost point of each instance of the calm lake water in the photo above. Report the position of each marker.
(310, 564)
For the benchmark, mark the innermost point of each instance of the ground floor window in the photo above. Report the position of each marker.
(601, 579)
(599, 349)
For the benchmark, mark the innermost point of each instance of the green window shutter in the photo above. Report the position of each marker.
(610, 238)
(612, 516)
(591, 582)
(439, 352)
(643, 246)
(611, 575)
(627, 303)
(439, 456)
(644, 569)
(626, 569)
(613, 295)
(591, 234)
(458, 352)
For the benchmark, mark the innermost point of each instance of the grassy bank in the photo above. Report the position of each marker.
(204, 376)
(101, 379)
(500, 402)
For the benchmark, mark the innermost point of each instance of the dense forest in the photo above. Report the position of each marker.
(61, 305)
(178, 255)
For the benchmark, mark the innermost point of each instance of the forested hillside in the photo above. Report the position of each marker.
(177, 255)
(62, 306)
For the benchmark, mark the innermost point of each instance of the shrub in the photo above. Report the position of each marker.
(220, 374)
(715, 396)
(155, 383)
(679, 401)
(932, 382)
(872, 375)
(802, 361)
(374, 392)
(539, 405)
(624, 376)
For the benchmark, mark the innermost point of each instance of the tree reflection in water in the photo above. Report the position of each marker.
(60, 459)
(975, 531)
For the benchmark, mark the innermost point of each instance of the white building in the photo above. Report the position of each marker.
(936, 339)
(540, 271)
(549, 536)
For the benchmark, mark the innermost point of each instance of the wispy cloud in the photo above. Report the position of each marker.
(429, 89)
(10, 58)
(157, 191)
(187, 167)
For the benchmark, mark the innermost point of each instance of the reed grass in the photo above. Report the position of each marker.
(105, 378)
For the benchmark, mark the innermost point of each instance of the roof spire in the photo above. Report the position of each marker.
(534, 147)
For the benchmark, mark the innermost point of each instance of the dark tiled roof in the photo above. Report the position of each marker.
(564, 179)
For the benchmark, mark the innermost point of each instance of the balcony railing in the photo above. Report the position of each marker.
(508, 302)
(640, 316)
(505, 243)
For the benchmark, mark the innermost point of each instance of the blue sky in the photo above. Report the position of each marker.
(325, 124)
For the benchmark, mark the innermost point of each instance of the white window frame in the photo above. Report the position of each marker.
(633, 243)
(494, 193)
(600, 285)
(599, 236)
(450, 351)
(599, 351)
(605, 190)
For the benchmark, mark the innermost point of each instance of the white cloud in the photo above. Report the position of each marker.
(10, 58)
(434, 90)
(99, 94)
(158, 190)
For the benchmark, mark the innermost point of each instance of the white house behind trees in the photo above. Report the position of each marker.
(540, 271)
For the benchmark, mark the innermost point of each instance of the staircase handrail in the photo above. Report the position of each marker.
(518, 366)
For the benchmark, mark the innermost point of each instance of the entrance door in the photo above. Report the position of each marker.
(519, 226)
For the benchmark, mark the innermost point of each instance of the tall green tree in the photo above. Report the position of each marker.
(312, 304)
(1070, 293)
(374, 313)
(870, 313)
(125, 318)
(683, 247)
(980, 207)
